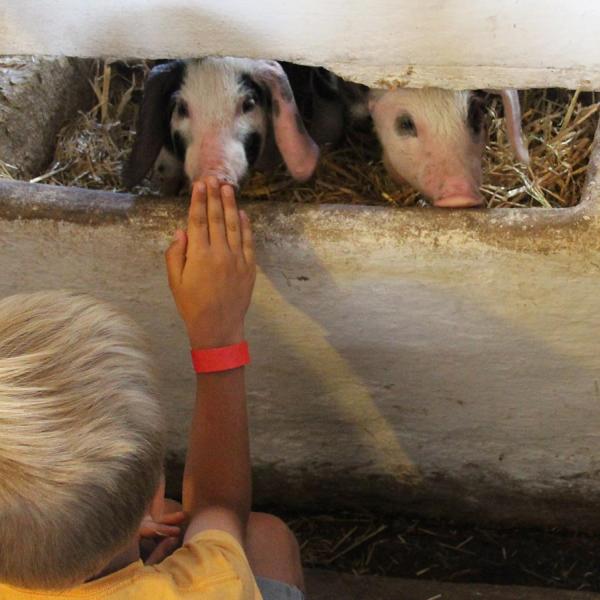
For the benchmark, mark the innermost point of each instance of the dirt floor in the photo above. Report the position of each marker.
(442, 551)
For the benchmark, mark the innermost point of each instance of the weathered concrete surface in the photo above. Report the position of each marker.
(37, 97)
(444, 363)
(326, 585)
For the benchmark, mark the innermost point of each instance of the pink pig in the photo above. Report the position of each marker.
(434, 138)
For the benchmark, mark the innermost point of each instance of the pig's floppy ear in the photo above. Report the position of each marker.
(512, 116)
(298, 149)
(154, 121)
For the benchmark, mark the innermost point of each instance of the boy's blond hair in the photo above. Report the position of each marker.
(81, 437)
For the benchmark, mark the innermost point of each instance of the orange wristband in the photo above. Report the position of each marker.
(213, 360)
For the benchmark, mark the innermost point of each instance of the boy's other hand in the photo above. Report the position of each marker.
(159, 539)
(169, 525)
(212, 267)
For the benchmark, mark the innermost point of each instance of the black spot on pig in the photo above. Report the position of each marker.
(308, 111)
(475, 116)
(153, 126)
(249, 85)
(182, 109)
(252, 147)
(325, 84)
(178, 146)
(301, 81)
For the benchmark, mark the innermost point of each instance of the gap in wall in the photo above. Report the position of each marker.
(559, 126)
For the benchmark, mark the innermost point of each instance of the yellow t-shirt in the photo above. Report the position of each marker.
(211, 566)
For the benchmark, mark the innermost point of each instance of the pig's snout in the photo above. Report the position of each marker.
(218, 157)
(458, 192)
(221, 160)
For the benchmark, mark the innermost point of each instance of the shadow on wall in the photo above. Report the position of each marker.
(419, 383)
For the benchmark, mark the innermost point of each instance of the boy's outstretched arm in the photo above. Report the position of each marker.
(211, 273)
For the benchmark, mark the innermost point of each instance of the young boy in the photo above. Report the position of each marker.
(82, 439)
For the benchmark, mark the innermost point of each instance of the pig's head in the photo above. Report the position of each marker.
(213, 115)
(434, 140)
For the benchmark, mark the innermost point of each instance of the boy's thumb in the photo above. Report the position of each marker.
(175, 257)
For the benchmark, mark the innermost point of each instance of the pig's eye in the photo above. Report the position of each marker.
(249, 103)
(406, 126)
(182, 109)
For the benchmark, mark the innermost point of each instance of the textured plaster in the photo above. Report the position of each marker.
(454, 43)
(442, 363)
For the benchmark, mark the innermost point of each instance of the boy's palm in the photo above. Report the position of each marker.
(212, 268)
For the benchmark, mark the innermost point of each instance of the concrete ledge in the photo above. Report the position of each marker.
(326, 585)
(538, 230)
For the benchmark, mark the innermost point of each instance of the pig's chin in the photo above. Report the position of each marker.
(394, 175)
(458, 201)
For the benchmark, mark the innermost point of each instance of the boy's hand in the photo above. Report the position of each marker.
(212, 269)
(169, 525)
(159, 539)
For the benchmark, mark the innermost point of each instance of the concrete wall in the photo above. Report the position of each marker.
(440, 362)
(455, 43)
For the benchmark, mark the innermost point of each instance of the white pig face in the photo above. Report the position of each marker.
(214, 116)
(219, 119)
(434, 139)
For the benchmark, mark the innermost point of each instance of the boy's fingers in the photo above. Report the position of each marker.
(232, 218)
(150, 528)
(166, 530)
(164, 549)
(174, 518)
(216, 218)
(247, 238)
(198, 219)
(175, 257)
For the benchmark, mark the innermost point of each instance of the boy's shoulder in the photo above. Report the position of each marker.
(208, 556)
(212, 566)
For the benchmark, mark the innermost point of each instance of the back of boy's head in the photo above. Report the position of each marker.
(81, 437)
